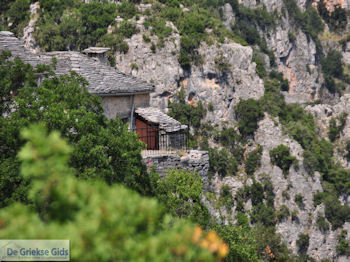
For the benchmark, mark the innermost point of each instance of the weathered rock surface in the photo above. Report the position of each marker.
(204, 83)
(323, 113)
(297, 61)
(28, 37)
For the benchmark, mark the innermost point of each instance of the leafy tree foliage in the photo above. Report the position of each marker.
(221, 162)
(281, 157)
(343, 247)
(336, 213)
(103, 223)
(181, 191)
(73, 25)
(253, 161)
(332, 64)
(303, 243)
(336, 19)
(102, 149)
(334, 128)
(248, 113)
(322, 224)
(188, 114)
(14, 14)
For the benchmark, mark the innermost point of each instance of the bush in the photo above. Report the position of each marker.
(343, 248)
(185, 113)
(253, 161)
(334, 128)
(257, 193)
(298, 199)
(127, 29)
(18, 15)
(280, 156)
(303, 243)
(282, 213)
(221, 162)
(332, 64)
(230, 139)
(226, 197)
(180, 191)
(248, 113)
(100, 145)
(95, 213)
(72, 25)
(260, 66)
(336, 19)
(263, 215)
(336, 213)
(322, 224)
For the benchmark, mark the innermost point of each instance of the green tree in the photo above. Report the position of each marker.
(103, 149)
(248, 113)
(180, 191)
(281, 157)
(103, 223)
(303, 243)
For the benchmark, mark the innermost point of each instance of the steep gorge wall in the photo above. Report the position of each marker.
(204, 83)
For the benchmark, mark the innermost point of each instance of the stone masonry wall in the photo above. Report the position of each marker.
(193, 160)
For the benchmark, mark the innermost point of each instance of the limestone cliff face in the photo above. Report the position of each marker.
(205, 82)
(222, 87)
(323, 113)
(296, 58)
(269, 135)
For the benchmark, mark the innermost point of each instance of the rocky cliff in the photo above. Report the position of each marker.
(228, 74)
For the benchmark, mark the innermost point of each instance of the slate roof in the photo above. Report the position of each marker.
(103, 79)
(156, 116)
(96, 50)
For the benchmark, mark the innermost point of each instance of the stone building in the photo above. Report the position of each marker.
(123, 96)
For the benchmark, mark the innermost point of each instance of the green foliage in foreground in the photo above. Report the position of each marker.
(103, 149)
(103, 223)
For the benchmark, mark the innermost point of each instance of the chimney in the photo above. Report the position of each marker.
(98, 52)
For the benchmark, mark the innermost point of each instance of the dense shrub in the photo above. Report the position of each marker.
(72, 25)
(263, 214)
(298, 199)
(231, 140)
(336, 213)
(256, 193)
(226, 197)
(103, 149)
(336, 19)
(186, 113)
(253, 161)
(281, 157)
(322, 224)
(248, 113)
(335, 128)
(94, 213)
(303, 243)
(282, 213)
(221, 162)
(260, 66)
(332, 64)
(181, 191)
(343, 247)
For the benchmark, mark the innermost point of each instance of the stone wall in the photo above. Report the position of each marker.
(193, 160)
(121, 106)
